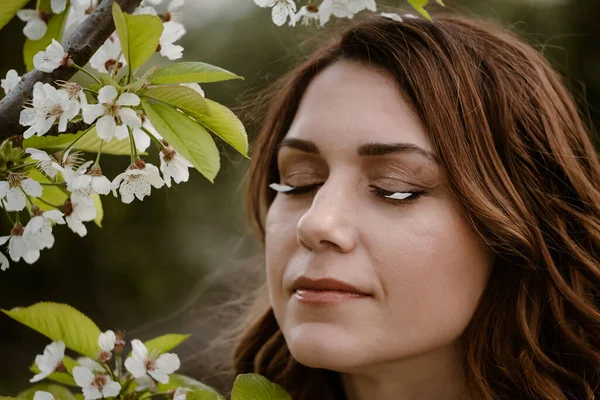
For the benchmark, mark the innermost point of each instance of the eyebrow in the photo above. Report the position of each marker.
(366, 149)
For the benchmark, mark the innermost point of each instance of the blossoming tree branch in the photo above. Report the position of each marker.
(53, 132)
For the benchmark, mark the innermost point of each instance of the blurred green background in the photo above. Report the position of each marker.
(164, 264)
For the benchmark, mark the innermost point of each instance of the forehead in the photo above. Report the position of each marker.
(348, 104)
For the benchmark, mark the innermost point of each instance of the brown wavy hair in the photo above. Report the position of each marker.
(519, 157)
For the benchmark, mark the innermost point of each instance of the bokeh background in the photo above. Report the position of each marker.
(166, 264)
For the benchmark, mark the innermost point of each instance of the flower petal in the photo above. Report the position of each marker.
(32, 187)
(168, 363)
(15, 199)
(130, 117)
(111, 389)
(107, 94)
(41, 395)
(128, 99)
(58, 6)
(35, 29)
(106, 340)
(105, 127)
(83, 376)
(135, 367)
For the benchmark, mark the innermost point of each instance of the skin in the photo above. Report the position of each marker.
(422, 263)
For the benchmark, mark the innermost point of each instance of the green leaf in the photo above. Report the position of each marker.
(200, 390)
(90, 143)
(8, 9)
(441, 3)
(99, 209)
(418, 6)
(187, 137)
(257, 387)
(7, 398)
(51, 194)
(137, 84)
(54, 31)
(60, 322)
(166, 342)
(191, 72)
(59, 392)
(139, 36)
(182, 97)
(223, 123)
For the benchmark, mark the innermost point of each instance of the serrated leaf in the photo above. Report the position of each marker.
(223, 122)
(139, 36)
(418, 6)
(54, 31)
(50, 194)
(99, 209)
(90, 143)
(187, 137)
(60, 322)
(182, 97)
(177, 380)
(60, 377)
(9, 8)
(191, 72)
(59, 392)
(257, 387)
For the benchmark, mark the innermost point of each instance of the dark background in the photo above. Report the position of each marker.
(164, 265)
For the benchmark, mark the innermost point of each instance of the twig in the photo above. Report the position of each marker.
(82, 44)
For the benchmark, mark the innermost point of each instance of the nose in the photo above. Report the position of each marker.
(329, 222)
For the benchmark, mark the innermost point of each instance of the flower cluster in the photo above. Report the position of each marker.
(319, 12)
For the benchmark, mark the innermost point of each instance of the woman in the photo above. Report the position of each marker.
(427, 194)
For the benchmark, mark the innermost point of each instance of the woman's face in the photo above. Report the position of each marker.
(422, 265)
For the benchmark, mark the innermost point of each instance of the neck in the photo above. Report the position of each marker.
(436, 375)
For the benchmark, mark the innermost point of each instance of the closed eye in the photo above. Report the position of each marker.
(379, 192)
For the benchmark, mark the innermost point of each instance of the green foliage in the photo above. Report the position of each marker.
(59, 392)
(191, 72)
(419, 5)
(257, 387)
(99, 209)
(177, 380)
(8, 9)
(54, 31)
(223, 122)
(187, 137)
(9, 154)
(166, 342)
(90, 143)
(139, 36)
(182, 97)
(60, 322)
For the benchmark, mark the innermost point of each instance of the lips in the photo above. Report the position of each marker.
(326, 284)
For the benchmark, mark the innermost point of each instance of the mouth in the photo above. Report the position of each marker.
(325, 291)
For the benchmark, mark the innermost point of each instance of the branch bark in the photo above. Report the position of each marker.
(81, 46)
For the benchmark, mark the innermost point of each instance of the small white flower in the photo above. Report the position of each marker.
(18, 247)
(141, 138)
(393, 16)
(281, 9)
(145, 10)
(343, 8)
(106, 340)
(172, 32)
(137, 181)
(35, 28)
(45, 162)
(4, 264)
(58, 6)
(87, 183)
(95, 386)
(38, 232)
(80, 209)
(181, 393)
(41, 395)
(152, 2)
(308, 14)
(11, 81)
(48, 105)
(53, 57)
(113, 113)
(108, 56)
(142, 363)
(173, 165)
(174, 11)
(50, 360)
(13, 190)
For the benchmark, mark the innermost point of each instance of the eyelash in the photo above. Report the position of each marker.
(299, 190)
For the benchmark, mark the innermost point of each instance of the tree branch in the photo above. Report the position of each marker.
(81, 46)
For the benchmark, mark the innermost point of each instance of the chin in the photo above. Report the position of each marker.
(323, 345)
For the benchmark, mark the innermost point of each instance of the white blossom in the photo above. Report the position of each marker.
(38, 232)
(13, 190)
(58, 6)
(152, 2)
(137, 181)
(113, 113)
(145, 10)
(80, 209)
(307, 15)
(106, 340)
(80, 10)
(11, 81)
(45, 161)
(51, 58)
(343, 8)
(41, 395)
(18, 247)
(172, 32)
(181, 393)
(35, 28)
(95, 386)
(141, 138)
(87, 183)
(281, 9)
(108, 56)
(393, 16)
(174, 11)
(50, 360)
(174, 165)
(4, 264)
(48, 105)
(142, 363)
